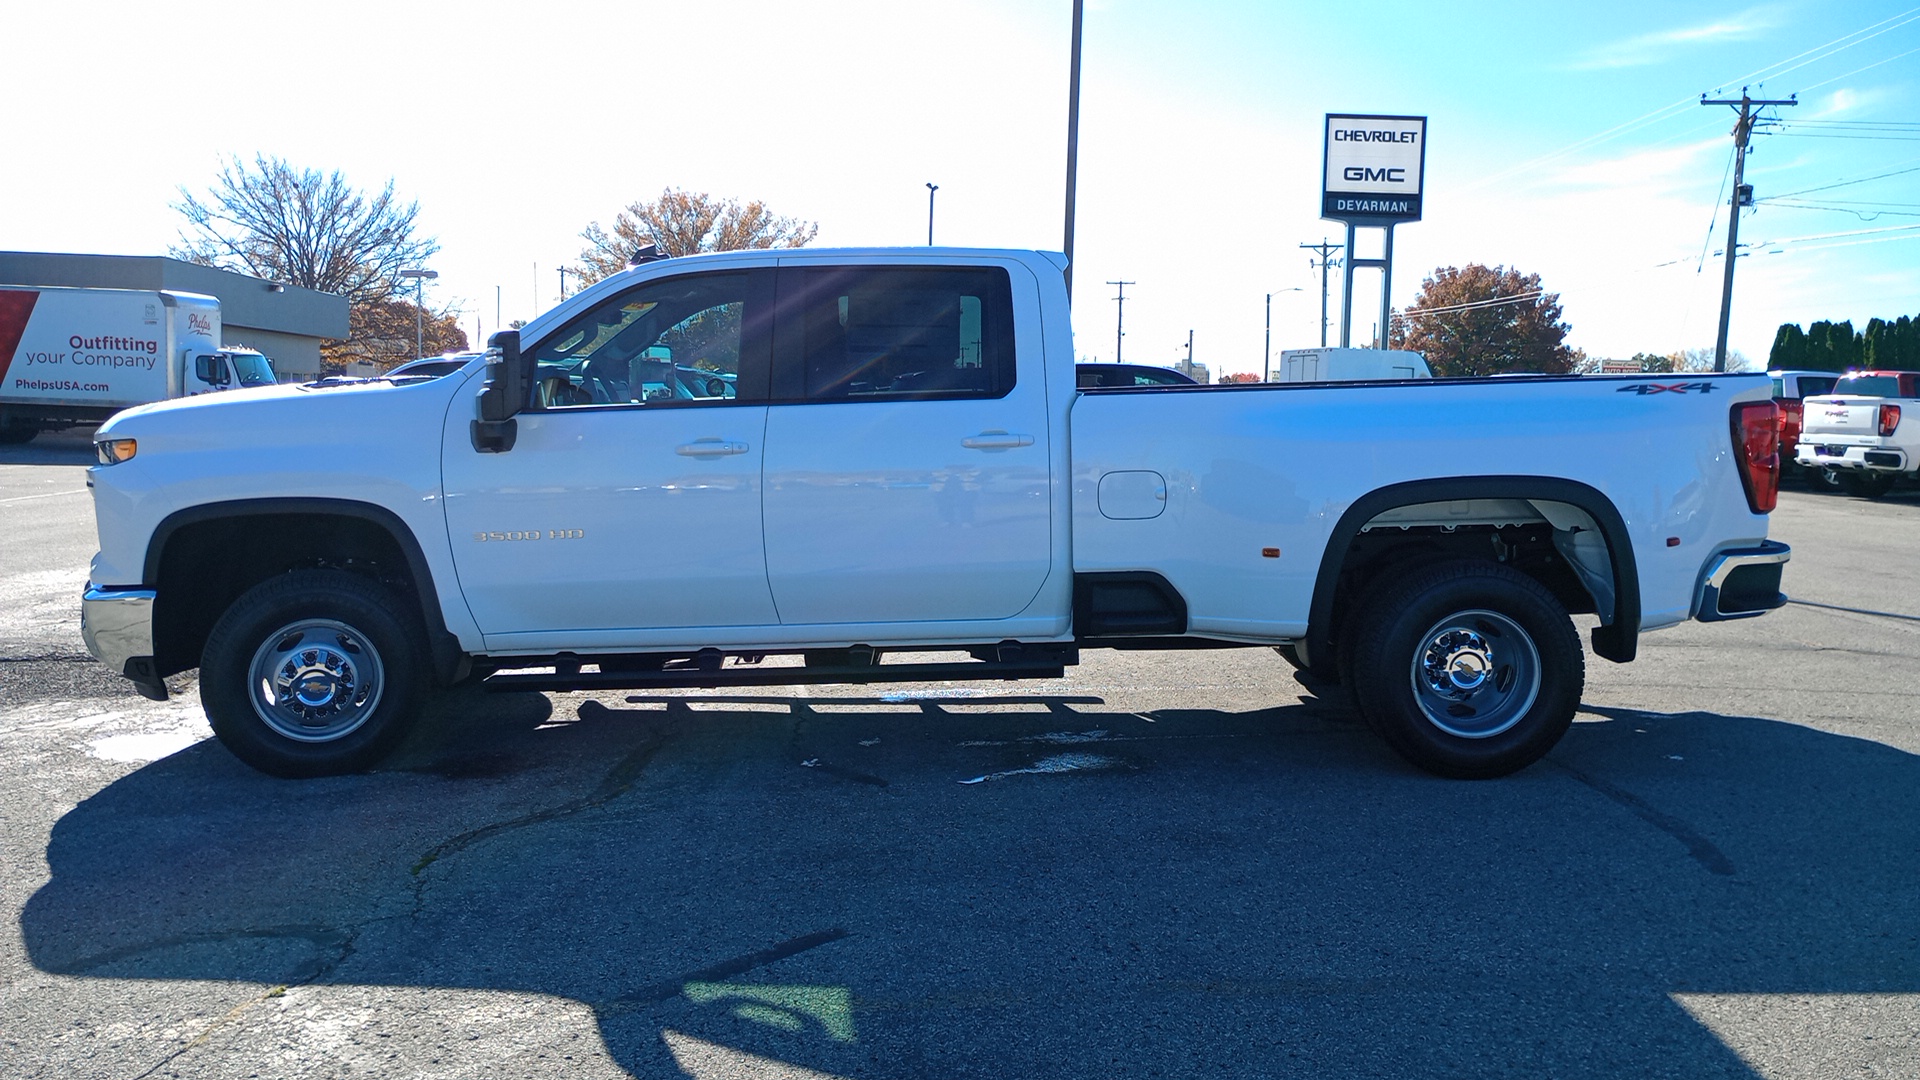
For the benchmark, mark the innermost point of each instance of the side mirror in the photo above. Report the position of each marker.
(504, 395)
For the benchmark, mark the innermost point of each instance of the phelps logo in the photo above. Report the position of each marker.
(199, 324)
(1643, 389)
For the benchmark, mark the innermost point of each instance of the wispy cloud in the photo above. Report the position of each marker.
(1652, 48)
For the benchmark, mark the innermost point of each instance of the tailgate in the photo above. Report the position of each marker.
(1840, 416)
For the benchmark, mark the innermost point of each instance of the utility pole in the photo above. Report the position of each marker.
(1325, 249)
(1120, 318)
(1189, 351)
(931, 188)
(1742, 196)
(1073, 142)
(563, 283)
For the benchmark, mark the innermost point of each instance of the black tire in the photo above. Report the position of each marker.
(1821, 478)
(349, 642)
(1467, 669)
(1868, 485)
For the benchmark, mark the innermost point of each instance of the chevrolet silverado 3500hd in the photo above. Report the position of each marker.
(702, 462)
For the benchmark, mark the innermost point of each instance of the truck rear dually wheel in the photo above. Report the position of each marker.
(313, 673)
(1467, 669)
(1868, 485)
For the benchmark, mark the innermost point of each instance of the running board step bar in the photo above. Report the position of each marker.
(965, 671)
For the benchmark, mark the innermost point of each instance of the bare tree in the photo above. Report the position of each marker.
(302, 227)
(686, 223)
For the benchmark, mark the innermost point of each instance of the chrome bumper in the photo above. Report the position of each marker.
(1743, 582)
(117, 625)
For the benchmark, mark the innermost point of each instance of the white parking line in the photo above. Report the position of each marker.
(42, 495)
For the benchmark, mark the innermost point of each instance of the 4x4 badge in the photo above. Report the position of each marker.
(1646, 388)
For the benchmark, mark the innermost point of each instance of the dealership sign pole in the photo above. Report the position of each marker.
(1375, 170)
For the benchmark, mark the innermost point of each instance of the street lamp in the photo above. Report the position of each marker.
(420, 279)
(931, 188)
(1267, 370)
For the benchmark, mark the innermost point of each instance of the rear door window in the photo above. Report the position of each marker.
(867, 333)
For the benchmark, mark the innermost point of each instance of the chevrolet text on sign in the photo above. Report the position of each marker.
(1374, 168)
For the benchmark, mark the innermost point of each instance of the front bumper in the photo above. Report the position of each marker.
(1742, 582)
(117, 625)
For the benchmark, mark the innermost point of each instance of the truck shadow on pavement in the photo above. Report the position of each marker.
(881, 887)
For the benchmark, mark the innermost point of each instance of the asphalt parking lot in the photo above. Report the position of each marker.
(1165, 865)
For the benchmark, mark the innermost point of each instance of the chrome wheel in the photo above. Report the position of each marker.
(1475, 674)
(316, 680)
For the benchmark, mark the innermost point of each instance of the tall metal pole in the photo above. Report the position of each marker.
(1742, 129)
(931, 188)
(1386, 293)
(1266, 364)
(1346, 294)
(1073, 141)
(1120, 318)
(419, 278)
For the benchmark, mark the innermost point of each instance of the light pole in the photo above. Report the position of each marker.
(420, 279)
(931, 188)
(1266, 371)
(1073, 142)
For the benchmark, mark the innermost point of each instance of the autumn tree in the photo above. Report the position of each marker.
(686, 223)
(382, 333)
(303, 227)
(1478, 320)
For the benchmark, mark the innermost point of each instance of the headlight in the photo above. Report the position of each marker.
(115, 451)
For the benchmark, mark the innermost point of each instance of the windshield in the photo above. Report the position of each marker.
(252, 369)
(1868, 386)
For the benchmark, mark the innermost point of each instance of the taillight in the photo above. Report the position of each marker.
(1889, 419)
(1790, 413)
(1756, 441)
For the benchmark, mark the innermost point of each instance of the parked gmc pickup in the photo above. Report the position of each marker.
(840, 455)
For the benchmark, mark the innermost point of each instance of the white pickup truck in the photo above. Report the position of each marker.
(845, 456)
(1861, 430)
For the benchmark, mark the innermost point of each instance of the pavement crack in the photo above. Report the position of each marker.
(617, 782)
(1699, 847)
(49, 658)
(336, 944)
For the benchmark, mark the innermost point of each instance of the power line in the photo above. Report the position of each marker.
(1476, 305)
(1664, 112)
(1848, 183)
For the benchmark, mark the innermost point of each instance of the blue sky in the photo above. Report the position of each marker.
(1564, 140)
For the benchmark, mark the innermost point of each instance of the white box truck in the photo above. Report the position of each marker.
(1348, 365)
(77, 356)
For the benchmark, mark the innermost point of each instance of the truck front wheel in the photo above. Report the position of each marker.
(313, 673)
(1468, 669)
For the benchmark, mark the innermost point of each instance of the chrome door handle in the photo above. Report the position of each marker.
(996, 440)
(710, 448)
